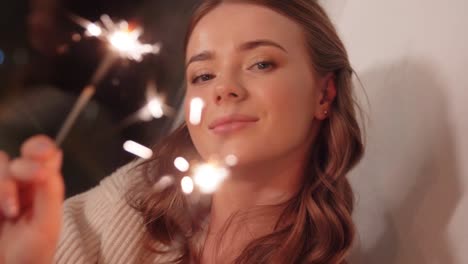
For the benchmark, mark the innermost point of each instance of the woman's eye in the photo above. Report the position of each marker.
(202, 78)
(264, 65)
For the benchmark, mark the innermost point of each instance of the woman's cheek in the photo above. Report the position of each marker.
(277, 97)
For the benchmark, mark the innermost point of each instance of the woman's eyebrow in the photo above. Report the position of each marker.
(202, 56)
(250, 45)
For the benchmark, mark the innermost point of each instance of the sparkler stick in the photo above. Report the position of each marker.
(84, 98)
(123, 42)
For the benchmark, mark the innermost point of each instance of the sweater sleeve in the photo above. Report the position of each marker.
(86, 218)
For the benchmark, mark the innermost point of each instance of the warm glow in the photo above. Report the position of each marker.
(208, 177)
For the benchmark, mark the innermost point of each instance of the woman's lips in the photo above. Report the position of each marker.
(231, 123)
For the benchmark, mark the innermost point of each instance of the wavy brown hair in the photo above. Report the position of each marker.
(315, 225)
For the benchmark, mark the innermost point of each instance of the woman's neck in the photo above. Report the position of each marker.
(248, 204)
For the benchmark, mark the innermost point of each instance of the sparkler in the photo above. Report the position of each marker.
(206, 177)
(123, 42)
(154, 108)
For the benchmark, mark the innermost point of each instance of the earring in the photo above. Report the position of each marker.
(325, 112)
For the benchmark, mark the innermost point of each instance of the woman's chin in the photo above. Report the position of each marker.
(241, 161)
(235, 156)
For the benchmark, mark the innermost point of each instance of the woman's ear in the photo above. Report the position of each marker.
(326, 97)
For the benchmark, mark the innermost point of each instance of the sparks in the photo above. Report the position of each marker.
(121, 38)
(93, 30)
(155, 107)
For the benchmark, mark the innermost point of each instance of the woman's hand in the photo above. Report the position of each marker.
(31, 197)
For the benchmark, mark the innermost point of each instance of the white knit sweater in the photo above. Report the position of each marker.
(100, 227)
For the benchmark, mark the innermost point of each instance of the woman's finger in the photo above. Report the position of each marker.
(49, 195)
(9, 203)
(9, 200)
(27, 170)
(4, 160)
(39, 148)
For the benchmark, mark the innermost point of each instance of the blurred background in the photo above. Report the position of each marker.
(46, 60)
(412, 185)
(411, 56)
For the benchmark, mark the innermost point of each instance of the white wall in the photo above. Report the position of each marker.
(412, 57)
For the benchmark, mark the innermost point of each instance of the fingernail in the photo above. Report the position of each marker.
(41, 146)
(24, 170)
(10, 208)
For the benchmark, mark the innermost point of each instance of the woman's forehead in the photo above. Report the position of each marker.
(229, 25)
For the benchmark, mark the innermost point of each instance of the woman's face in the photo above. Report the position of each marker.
(251, 68)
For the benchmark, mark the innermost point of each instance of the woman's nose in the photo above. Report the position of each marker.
(229, 90)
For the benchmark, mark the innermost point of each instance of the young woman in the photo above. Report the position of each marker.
(276, 82)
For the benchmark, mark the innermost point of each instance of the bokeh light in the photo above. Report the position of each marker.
(181, 164)
(196, 109)
(187, 185)
(138, 149)
(231, 160)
